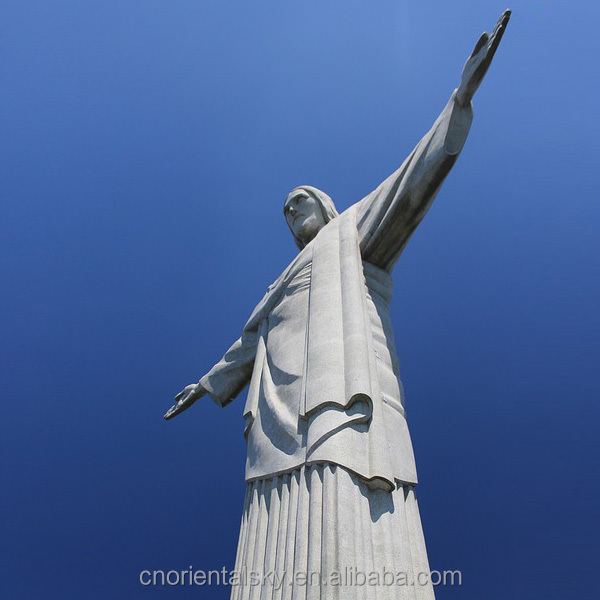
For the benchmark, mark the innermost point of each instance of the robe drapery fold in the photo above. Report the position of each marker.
(339, 370)
(343, 387)
(323, 523)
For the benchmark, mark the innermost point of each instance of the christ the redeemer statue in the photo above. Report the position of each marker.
(330, 469)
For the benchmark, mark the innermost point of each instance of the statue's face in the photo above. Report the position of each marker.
(303, 215)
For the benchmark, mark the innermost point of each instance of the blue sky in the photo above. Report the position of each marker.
(147, 150)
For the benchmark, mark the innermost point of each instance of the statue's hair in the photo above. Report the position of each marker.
(324, 202)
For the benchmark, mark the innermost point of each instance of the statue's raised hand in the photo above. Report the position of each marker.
(478, 63)
(185, 399)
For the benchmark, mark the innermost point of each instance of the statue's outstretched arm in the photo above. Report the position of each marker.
(225, 380)
(388, 216)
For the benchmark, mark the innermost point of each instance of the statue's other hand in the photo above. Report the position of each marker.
(185, 399)
(478, 63)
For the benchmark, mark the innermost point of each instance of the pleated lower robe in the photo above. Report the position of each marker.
(320, 533)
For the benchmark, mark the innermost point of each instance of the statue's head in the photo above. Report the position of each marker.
(307, 210)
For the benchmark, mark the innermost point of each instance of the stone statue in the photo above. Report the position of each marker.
(330, 469)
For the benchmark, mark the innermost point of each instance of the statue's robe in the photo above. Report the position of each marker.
(325, 400)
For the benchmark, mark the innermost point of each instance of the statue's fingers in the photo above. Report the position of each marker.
(501, 25)
(481, 42)
(499, 32)
(185, 401)
(496, 26)
(174, 410)
(502, 20)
